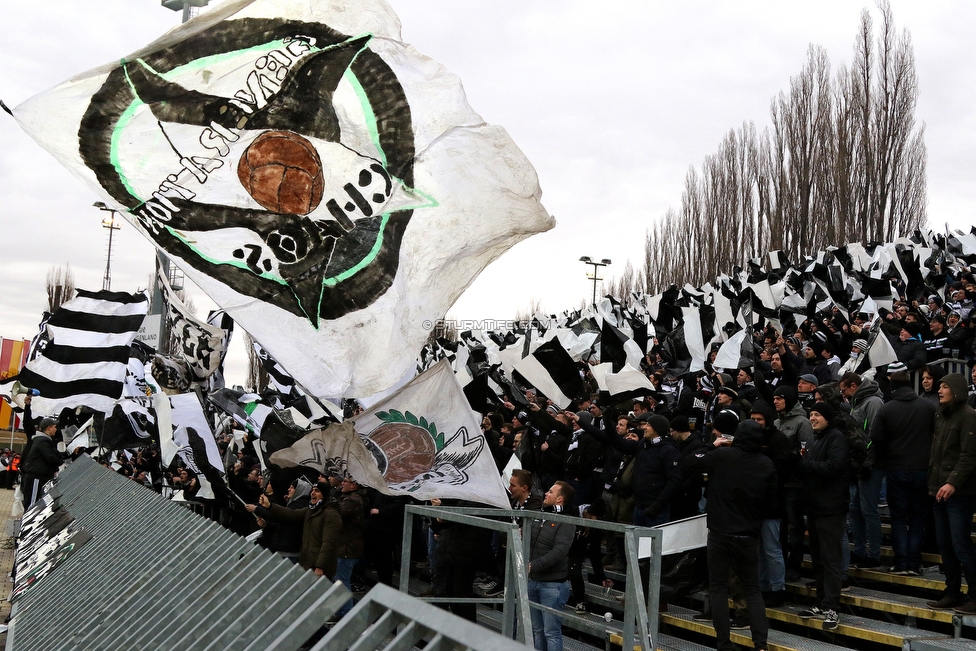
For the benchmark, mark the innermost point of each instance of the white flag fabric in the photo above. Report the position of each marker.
(336, 450)
(86, 352)
(428, 443)
(321, 180)
(199, 344)
(730, 354)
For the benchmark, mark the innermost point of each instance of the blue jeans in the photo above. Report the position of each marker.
(953, 528)
(344, 568)
(908, 502)
(547, 630)
(865, 519)
(642, 520)
(772, 568)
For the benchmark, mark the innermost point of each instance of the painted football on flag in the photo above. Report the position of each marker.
(322, 181)
(282, 172)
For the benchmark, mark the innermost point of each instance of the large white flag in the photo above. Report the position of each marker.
(325, 183)
(428, 443)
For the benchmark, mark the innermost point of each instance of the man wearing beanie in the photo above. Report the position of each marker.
(657, 477)
(909, 347)
(741, 481)
(901, 440)
(791, 419)
(952, 482)
(825, 465)
(41, 456)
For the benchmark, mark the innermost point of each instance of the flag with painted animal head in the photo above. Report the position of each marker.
(428, 443)
(321, 180)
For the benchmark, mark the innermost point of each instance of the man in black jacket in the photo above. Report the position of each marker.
(772, 565)
(741, 480)
(826, 489)
(901, 440)
(657, 477)
(41, 459)
(685, 503)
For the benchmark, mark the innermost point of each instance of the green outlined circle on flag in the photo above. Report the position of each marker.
(274, 156)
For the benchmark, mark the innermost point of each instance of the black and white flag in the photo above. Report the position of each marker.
(87, 352)
(552, 371)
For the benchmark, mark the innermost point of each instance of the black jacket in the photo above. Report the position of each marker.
(550, 545)
(685, 503)
(953, 459)
(901, 435)
(43, 459)
(825, 468)
(741, 480)
(657, 477)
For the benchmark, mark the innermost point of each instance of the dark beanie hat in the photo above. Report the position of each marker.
(912, 328)
(824, 410)
(725, 422)
(789, 395)
(680, 424)
(660, 424)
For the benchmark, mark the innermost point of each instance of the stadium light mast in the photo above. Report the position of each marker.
(159, 304)
(112, 225)
(596, 269)
(184, 6)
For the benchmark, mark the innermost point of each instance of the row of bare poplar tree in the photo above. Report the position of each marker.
(843, 160)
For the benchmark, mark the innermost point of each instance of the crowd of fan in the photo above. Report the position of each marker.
(844, 440)
(841, 439)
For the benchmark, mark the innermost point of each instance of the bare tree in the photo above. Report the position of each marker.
(60, 286)
(841, 161)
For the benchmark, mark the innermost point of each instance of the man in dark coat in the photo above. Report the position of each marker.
(901, 440)
(657, 477)
(741, 479)
(826, 489)
(772, 565)
(41, 456)
(952, 482)
(685, 503)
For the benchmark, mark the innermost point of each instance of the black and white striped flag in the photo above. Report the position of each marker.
(87, 352)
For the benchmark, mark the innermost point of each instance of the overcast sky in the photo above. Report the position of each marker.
(612, 102)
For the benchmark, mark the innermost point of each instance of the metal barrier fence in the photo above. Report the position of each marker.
(385, 614)
(640, 625)
(154, 576)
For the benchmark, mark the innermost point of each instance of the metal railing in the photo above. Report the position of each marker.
(640, 624)
(385, 614)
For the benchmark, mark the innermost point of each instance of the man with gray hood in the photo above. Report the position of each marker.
(952, 482)
(791, 419)
(741, 481)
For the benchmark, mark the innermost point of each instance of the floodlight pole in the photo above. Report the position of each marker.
(159, 301)
(109, 223)
(596, 265)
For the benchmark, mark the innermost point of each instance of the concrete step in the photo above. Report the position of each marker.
(778, 640)
(852, 626)
(931, 580)
(885, 602)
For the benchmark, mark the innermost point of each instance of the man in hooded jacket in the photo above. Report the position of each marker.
(791, 419)
(741, 481)
(952, 482)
